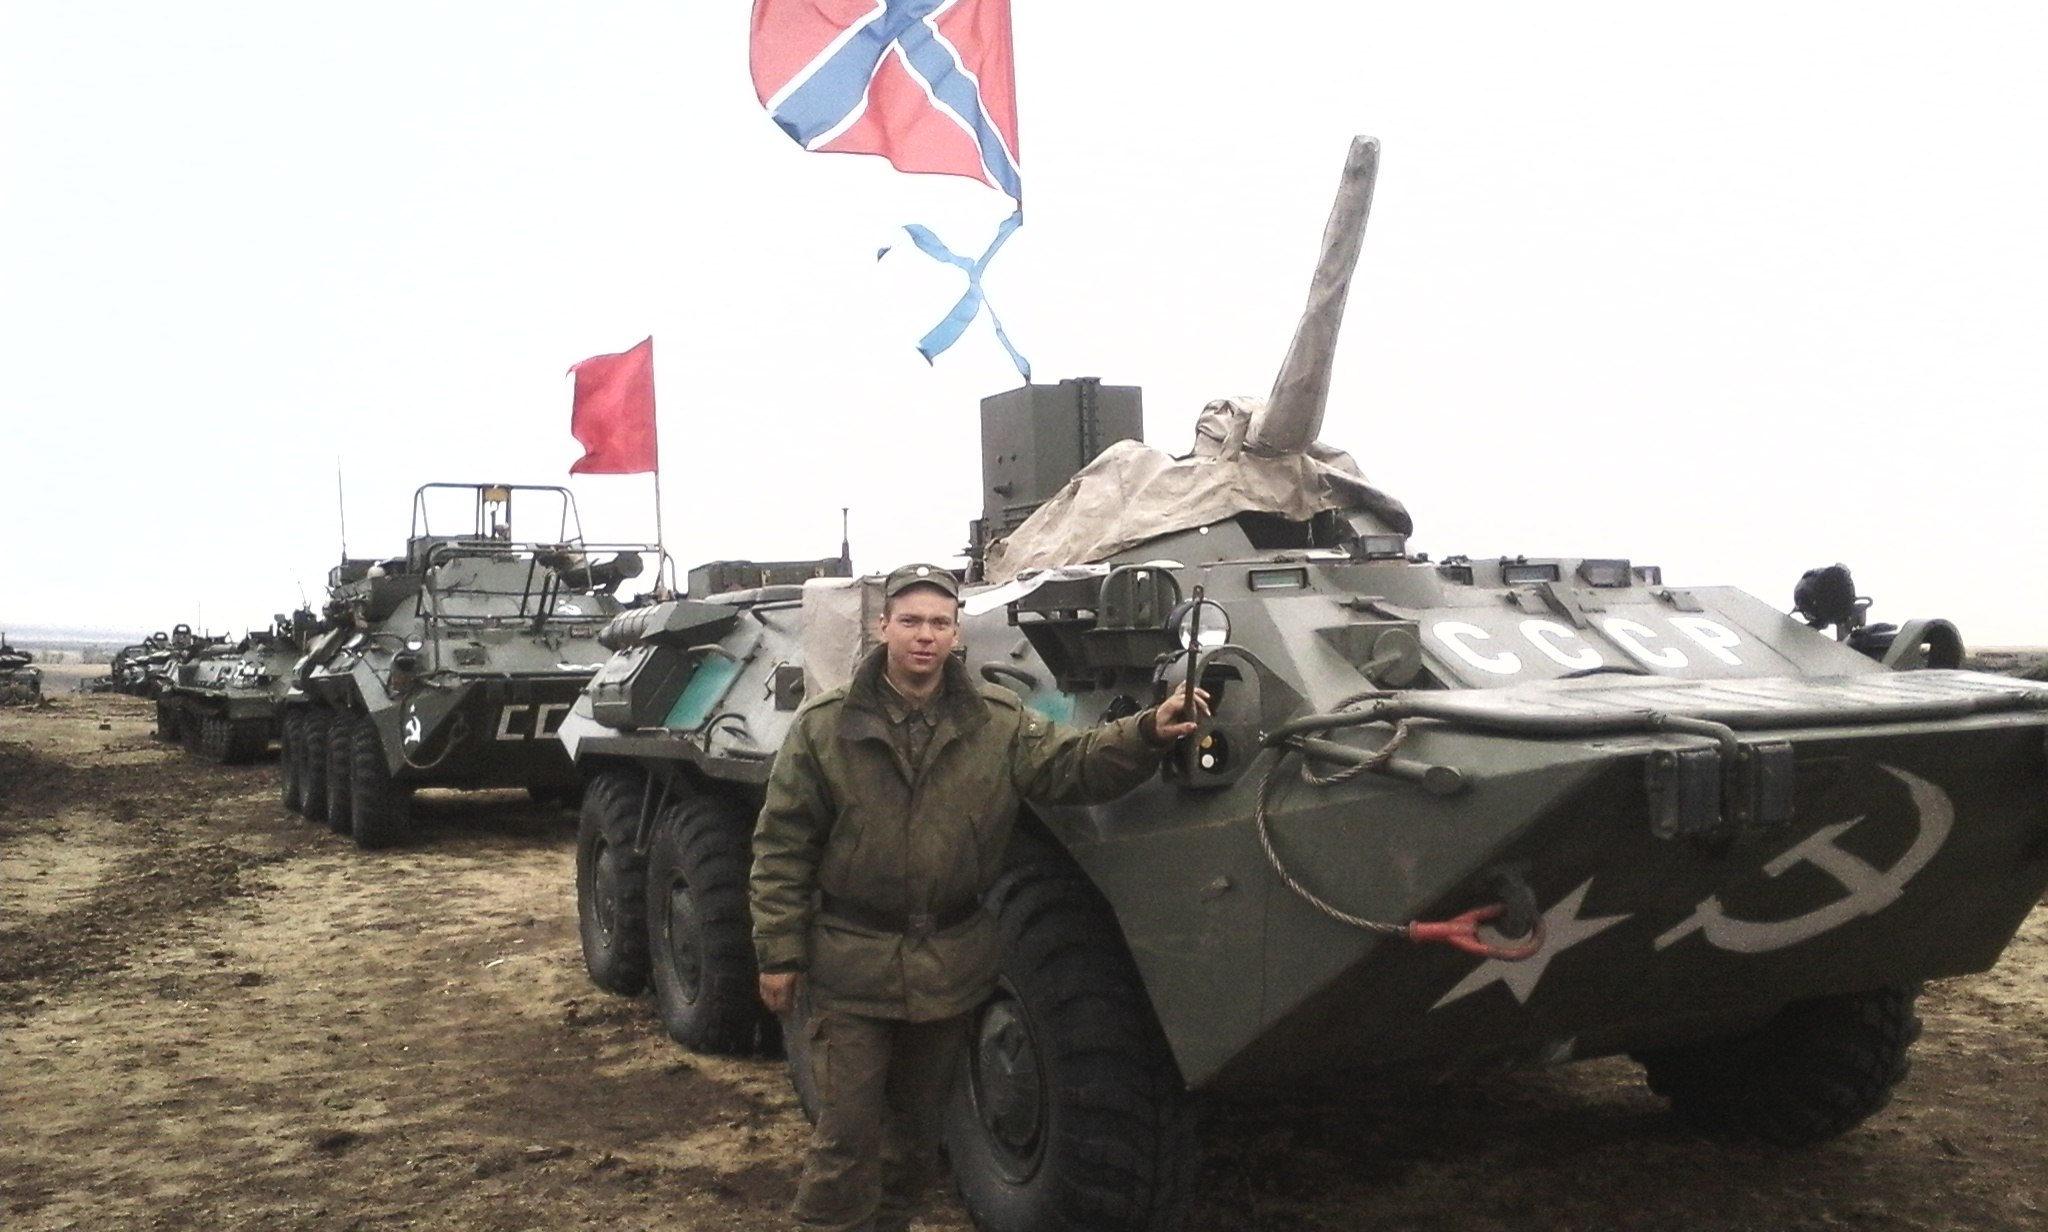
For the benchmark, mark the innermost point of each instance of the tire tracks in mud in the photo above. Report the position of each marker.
(175, 862)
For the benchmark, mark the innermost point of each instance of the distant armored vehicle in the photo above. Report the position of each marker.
(21, 683)
(223, 701)
(452, 665)
(140, 669)
(1482, 811)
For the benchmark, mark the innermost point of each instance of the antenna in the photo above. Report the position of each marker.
(341, 507)
(845, 546)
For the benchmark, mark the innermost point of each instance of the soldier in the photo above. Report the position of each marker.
(886, 819)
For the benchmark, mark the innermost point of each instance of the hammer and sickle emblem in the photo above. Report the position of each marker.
(412, 731)
(1870, 890)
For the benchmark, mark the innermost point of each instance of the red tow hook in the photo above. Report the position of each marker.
(1463, 932)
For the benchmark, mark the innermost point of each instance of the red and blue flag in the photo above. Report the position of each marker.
(929, 85)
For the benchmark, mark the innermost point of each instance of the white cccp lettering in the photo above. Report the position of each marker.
(1718, 639)
(1630, 636)
(546, 724)
(1549, 637)
(1454, 634)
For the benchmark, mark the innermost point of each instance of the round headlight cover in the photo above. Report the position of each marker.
(1199, 619)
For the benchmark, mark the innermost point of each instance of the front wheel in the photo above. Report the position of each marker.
(1070, 1112)
(700, 934)
(380, 807)
(611, 883)
(1815, 1071)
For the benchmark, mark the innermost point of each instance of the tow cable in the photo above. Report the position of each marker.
(1461, 931)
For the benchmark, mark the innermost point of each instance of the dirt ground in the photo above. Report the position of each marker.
(219, 1016)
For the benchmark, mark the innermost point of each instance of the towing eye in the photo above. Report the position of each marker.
(1463, 932)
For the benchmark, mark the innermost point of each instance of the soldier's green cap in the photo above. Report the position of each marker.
(906, 576)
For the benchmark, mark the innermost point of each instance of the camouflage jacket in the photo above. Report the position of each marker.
(868, 876)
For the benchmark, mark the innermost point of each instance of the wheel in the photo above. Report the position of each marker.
(1070, 1112)
(290, 773)
(192, 733)
(216, 739)
(611, 883)
(380, 807)
(701, 949)
(247, 738)
(166, 721)
(1815, 1071)
(312, 759)
(339, 754)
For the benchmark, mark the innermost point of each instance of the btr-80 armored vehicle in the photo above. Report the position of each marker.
(139, 669)
(223, 699)
(1487, 810)
(452, 665)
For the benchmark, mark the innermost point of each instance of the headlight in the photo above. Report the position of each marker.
(1199, 621)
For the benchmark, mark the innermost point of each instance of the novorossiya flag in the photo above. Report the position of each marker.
(930, 85)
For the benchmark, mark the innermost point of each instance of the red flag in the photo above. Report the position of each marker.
(614, 413)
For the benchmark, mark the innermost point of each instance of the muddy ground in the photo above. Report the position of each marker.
(218, 1016)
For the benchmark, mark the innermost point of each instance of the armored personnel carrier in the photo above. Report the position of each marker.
(1487, 810)
(139, 669)
(21, 683)
(452, 665)
(223, 700)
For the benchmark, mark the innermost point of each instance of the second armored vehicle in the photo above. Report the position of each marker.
(452, 665)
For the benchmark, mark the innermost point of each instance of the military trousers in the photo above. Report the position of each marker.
(881, 1084)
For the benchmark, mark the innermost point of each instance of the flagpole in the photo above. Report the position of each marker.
(661, 560)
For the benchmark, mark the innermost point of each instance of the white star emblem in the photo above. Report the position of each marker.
(1562, 929)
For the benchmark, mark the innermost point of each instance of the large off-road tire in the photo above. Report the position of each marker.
(312, 760)
(340, 756)
(192, 733)
(246, 741)
(290, 776)
(216, 739)
(166, 721)
(1815, 1071)
(699, 933)
(611, 883)
(1070, 1112)
(380, 807)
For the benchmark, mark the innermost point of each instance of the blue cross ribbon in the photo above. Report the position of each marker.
(948, 331)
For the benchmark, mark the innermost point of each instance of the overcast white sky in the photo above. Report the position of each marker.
(1736, 289)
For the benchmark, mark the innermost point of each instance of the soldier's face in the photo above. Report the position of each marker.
(919, 629)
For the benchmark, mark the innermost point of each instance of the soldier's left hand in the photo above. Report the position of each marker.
(1170, 721)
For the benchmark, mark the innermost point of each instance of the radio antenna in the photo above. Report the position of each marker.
(341, 507)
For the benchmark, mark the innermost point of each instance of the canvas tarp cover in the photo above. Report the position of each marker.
(1132, 492)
